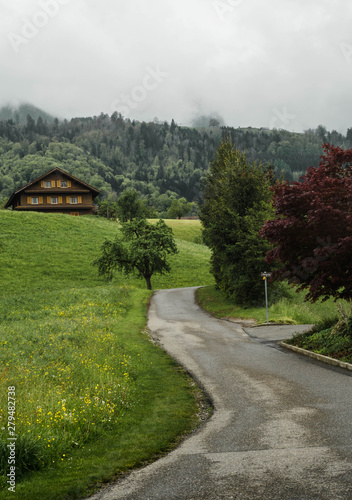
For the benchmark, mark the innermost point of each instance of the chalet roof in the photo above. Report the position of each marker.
(56, 169)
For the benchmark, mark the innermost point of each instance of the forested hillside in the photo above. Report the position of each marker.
(161, 161)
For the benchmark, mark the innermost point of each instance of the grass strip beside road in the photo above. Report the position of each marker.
(323, 339)
(94, 397)
(290, 309)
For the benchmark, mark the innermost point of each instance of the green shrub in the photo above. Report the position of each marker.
(349, 326)
(325, 324)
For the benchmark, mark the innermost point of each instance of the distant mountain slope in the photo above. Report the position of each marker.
(19, 113)
(162, 161)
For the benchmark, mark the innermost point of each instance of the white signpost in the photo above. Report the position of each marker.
(265, 278)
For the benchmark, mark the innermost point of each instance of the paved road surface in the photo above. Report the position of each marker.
(282, 426)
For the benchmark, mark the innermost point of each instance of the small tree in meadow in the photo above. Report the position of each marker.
(108, 209)
(144, 249)
(130, 206)
(179, 208)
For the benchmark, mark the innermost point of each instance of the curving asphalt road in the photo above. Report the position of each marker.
(282, 425)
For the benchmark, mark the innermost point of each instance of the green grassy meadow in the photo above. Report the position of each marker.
(94, 397)
(46, 250)
(186, 230)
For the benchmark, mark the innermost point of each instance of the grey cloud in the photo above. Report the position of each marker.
(249, 61)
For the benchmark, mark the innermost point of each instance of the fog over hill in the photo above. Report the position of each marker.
(19, 112)
(260, 64)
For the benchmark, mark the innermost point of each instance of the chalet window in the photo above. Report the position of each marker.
(34, 200)
(63, 184)
(73, 200)
(47, 184)
(54, 200)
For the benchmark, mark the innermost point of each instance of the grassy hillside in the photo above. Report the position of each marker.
(187, 230)
(94, 397)
(40, 250)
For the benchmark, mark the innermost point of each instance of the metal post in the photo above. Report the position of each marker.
(266, 300)
(265, 276)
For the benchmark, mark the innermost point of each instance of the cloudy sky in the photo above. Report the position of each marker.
(274, 63)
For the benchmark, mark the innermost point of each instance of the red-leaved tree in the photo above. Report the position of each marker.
(312, 231)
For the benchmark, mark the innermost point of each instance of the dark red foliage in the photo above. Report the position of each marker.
(312, 231)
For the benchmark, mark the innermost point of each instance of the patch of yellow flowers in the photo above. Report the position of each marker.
(71, 374)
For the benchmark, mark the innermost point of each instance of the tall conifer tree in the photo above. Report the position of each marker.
(235, 205)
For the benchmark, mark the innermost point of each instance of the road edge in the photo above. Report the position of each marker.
(315, 355)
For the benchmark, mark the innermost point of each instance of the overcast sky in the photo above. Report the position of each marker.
(274, 63)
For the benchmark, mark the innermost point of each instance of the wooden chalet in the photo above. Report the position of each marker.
(57, 192)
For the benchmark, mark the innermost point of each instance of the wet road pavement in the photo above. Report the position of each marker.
(282, 423)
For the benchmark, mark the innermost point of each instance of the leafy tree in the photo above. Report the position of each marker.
(30, 127)
(235, 204)
(108, 209)
(321, 133)
(214, 122)
(66, 156)
(312, 231)
(144, 248)
(179, 208)
(130, 206)
(3, 202)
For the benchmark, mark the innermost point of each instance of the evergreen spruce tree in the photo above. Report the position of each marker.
(236, 203)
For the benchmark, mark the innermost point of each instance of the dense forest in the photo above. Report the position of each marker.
(162, 161)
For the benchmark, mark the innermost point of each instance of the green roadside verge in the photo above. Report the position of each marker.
(328, 342)
(95, 397)
(328, 337)
(290, 309)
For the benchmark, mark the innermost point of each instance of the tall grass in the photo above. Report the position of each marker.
(74, 377)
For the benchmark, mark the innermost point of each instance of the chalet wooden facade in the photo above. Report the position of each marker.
(57, 192)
